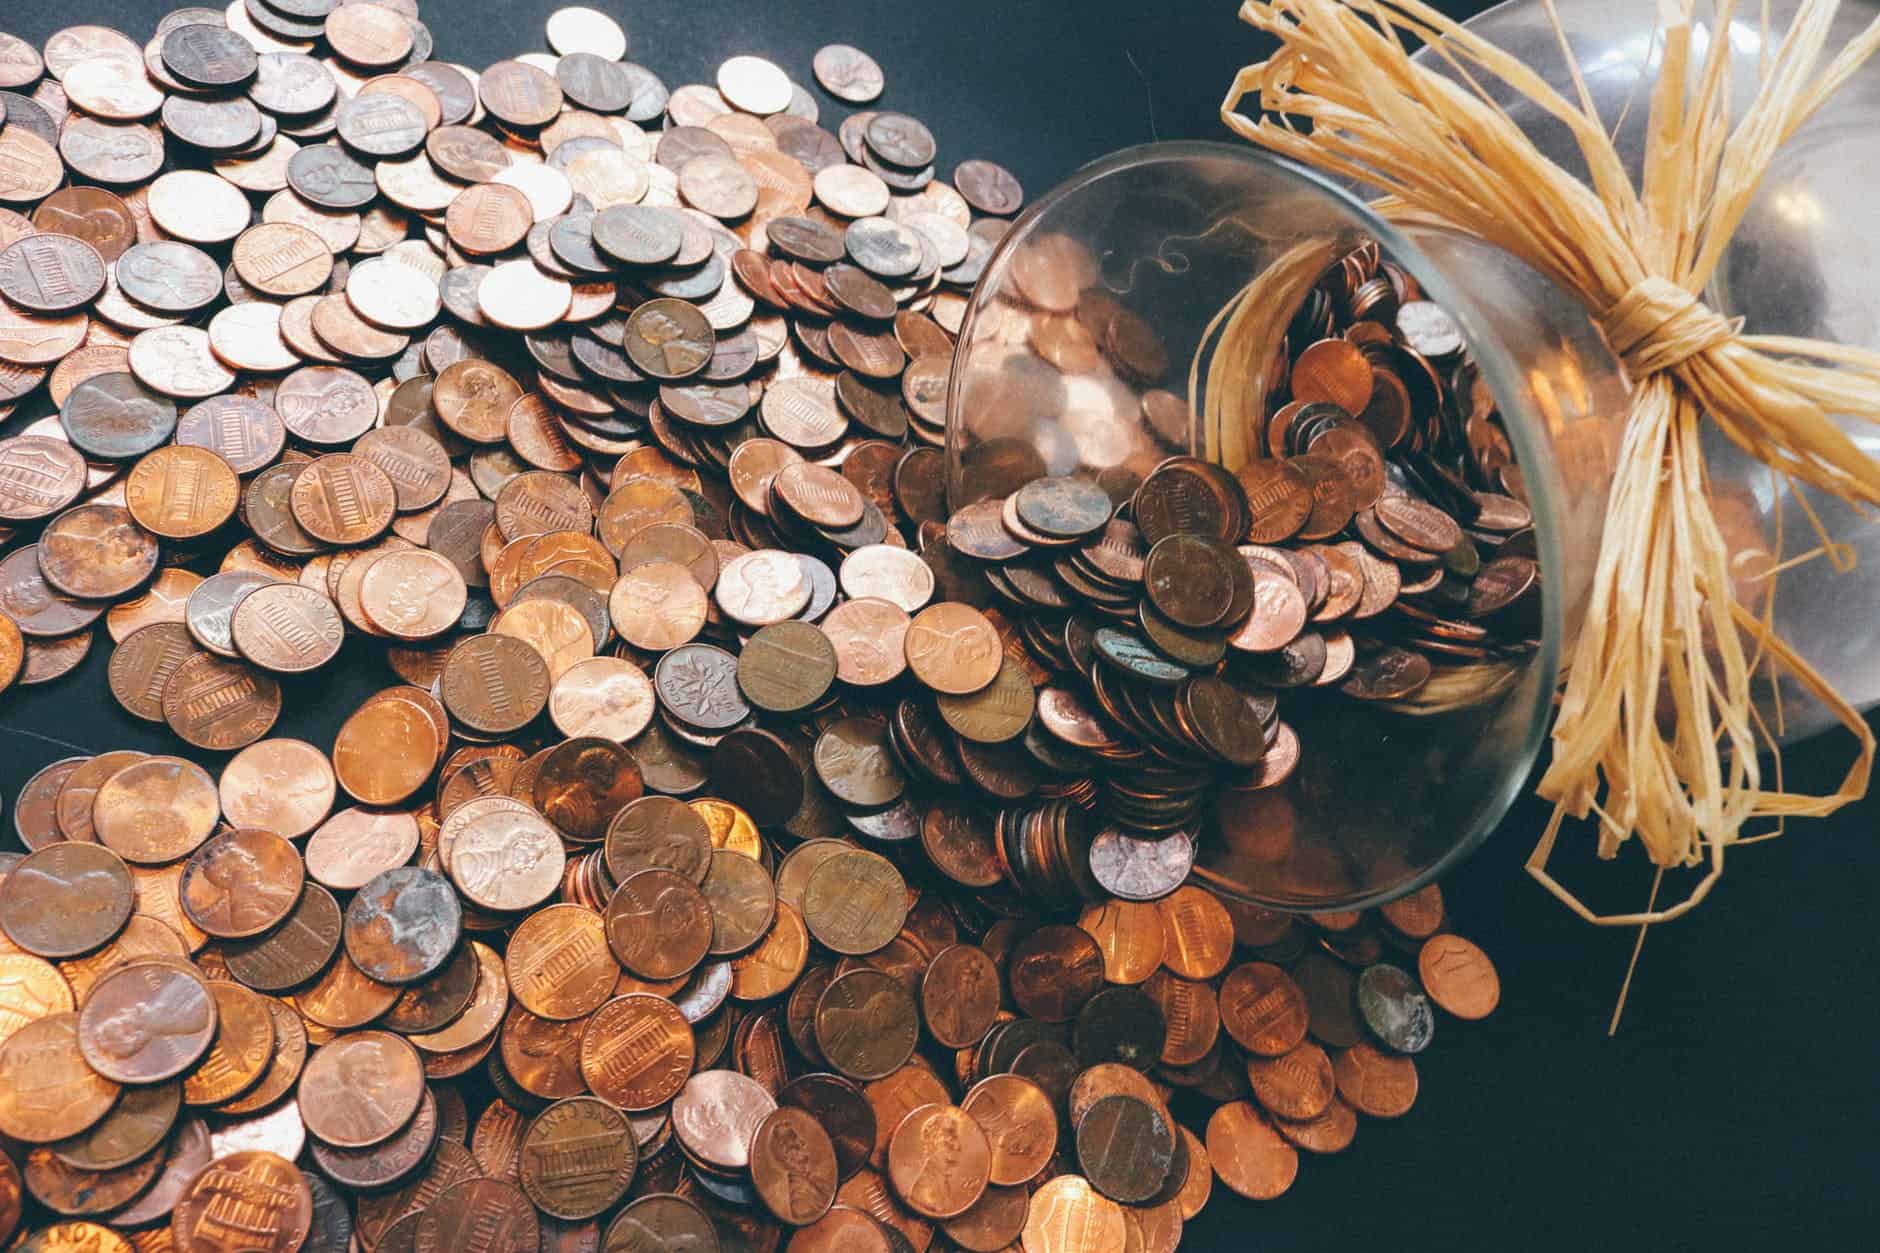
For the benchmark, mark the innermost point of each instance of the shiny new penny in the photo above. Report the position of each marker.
(603, 696)
(1247, 1154)
(1067, 1215)
(360, 1089)
(146, 1023)
(386, 750)
(636, 1051)
(1459, 976)
(953, 648)
(282, 785)
(558, 962)
(717, 1113)
(181, 492)
(507, 859)
(241, 882)
(939, 1161)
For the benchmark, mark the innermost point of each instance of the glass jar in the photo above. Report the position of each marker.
(1386, 796)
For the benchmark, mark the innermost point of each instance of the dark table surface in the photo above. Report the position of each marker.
(1736, 1107)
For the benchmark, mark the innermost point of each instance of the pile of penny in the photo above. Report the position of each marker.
(747, 848)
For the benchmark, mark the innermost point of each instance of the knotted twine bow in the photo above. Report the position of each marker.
(1662, 619)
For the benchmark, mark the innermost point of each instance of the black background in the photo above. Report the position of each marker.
(1736, 1107)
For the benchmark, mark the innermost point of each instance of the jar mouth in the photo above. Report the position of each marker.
(1499, 369)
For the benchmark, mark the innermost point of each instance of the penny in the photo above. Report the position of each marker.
(361, 1089)
(1371, 1081)
(281, 1201)
(997, 712)
(385, 751)
(50, 273)
(388, 1162)
(138, 1123)
(558, 962)
(241, 882)
(658, 832)
(49, 1093)
(403, 925)
(659, 924)
(96, 551)
(716, 1115)
(578, 1158)
(286, 628)
(495, 684)
(506, 859)
(866, 1024)
(496, 1214)
(1297, 1085)
(1459, 976)
(636, 1051)
(1247, 1154)
(293, 952)
(146, 1023)
(65, 899)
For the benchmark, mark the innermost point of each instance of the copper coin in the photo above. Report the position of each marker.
(38, 476)
(866, 1024)
(578, 1158)
(743, 901)
(870, 641)
(658, 832)
(1068, 1216)
(717, 1113)
(1053, 971)
(583, 783)
(140, 1122)
(269, 1190)
(495, 684)
(659, 924)
(1248, 1154)
(658, 606)
(49, 1092)
(953, 648)
(998, 712)
(540, 1055)
(1263, 1009)
(959, 995)
(388, 1162)
(855, 902)
(361, 1089)
(218, 704)
(1459, 976)
(636, 1051)
(241, 882)
(507, 857)
(243, 431)
(65, 899)
(1297, 1085)
(386, 750)
(96, 551)
(786, 667)
(242, 1051)
(326, 405)
(496, 1215)
(558, 962)
(343, 499)
(146, 1023)
(181, 492)
(939, 1161)
(293, 952)
(286, 628)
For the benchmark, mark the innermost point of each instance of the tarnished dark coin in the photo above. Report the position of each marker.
(1394, 1008)
(96, 551)
(1126, 1146)
(114, 417)
(866, 1024)
(403, 926)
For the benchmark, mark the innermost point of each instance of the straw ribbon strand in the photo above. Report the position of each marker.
(1657, 325)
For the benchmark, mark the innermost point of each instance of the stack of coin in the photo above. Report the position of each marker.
(747, 844)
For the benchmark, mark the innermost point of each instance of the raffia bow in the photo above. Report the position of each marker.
(1662, 619)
